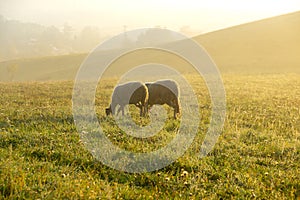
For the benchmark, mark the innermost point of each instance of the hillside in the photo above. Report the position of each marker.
(266, 46)
(41, 69)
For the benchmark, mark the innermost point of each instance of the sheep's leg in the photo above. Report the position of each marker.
(119, 110)
(142, 110)
(175, 113)
(140, 106)
(176, 108)
(145, 109)
(122, 111)
(175, 104)
(113, 107)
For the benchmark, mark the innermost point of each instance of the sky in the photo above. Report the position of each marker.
(190, 16)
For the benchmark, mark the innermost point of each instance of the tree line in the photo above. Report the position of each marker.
(22, 40)
(19, 39)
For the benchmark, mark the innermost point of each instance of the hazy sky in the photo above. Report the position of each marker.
(111, 15)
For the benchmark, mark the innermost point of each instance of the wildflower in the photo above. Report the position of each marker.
(184, 173)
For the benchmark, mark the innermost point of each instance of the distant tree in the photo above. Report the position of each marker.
(68, 31)
(51, 40)
(154, 36)
(68, 38)
(126, 41)
(88, 38)
(19, 40)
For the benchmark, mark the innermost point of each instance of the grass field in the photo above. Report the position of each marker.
(257, 155)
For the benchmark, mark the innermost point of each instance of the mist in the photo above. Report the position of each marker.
(34, 28)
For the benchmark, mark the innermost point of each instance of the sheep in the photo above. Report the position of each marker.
(164, 92)
(135, 93)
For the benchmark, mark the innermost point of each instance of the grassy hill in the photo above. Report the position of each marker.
(265, 46)
(40, 69)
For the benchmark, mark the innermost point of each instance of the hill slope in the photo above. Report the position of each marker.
(269, 45)
(266, 46)
(41, 69)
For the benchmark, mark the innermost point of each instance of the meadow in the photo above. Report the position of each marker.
(256, 157)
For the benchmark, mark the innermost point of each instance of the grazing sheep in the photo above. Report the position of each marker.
(164, 92)
(129, 93)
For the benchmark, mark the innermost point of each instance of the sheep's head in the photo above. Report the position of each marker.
(108, 111)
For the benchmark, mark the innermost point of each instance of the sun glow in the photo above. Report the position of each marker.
(112, 16)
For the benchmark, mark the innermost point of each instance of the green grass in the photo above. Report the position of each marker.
(257, 156)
